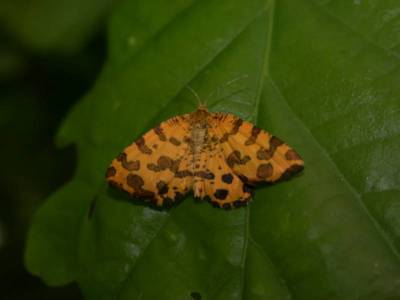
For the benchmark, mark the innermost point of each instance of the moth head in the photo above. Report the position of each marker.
(200, 114)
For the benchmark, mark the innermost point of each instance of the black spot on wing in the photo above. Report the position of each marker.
(221, 194)
(162, 187)
(227, 178)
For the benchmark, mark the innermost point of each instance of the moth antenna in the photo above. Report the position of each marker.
(236, 79)
(225, 85)
(218, 100)
(199, 102)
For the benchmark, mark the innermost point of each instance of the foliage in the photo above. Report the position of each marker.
(322, 75)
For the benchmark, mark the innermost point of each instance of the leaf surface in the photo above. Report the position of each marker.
(313, 76)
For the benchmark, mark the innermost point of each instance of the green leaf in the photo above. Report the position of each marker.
(321, 76)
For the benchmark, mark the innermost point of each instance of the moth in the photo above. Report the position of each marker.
(217, 156)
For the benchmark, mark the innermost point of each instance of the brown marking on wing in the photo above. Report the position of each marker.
(292, 155)
(235, 158)
(141, 144)
(254, 133)
(129, 165)
(264, 171)
(174, 141)
(160, 133)
(137, 182)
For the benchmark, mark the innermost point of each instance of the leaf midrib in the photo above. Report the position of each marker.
(263, 75)
(247, 233)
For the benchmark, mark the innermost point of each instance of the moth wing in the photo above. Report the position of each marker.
(157, 166)
(254, 154)
(224, 188)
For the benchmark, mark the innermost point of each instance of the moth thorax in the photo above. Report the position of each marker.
(199, 135)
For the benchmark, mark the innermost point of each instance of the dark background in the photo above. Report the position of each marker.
(39, 83)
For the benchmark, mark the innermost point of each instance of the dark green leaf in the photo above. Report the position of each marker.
(63, 26)
(321, 76)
